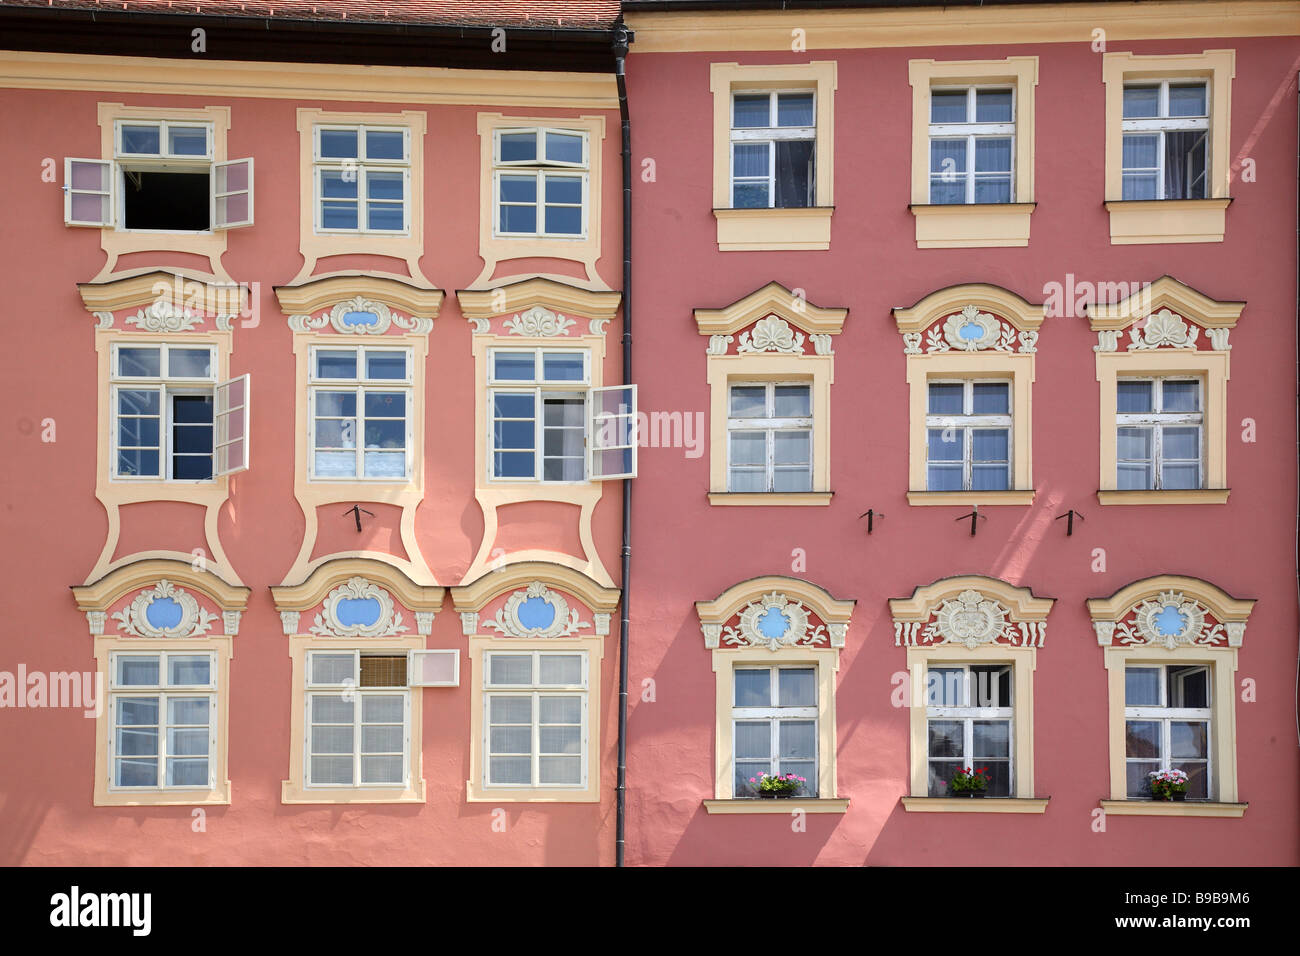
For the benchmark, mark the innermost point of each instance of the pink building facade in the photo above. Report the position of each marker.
(957, 430)
(925, 263)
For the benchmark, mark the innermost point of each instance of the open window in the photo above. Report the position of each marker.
(162, 178)
(231, 414)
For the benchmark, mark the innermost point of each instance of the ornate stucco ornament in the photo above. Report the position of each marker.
(358, 608)
(774, 622)
(165, 611)
(1171, 620)
(361, 316)
(538, 321)
(970, 620)
(536, 611)
(718, 344)
(771, 334)
(1163, 329)
(163, 316)
(970, 330)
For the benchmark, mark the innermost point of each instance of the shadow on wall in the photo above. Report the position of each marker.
(20, 820)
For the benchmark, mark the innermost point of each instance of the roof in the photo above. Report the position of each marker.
(526, 14)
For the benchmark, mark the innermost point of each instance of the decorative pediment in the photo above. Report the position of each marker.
(1170, 612)
(772, 319)
(1165, 314)
(970, 318)
(539, 307)
(970, 611)
(167, 599)
(541, 600)
(775, 613)
(357, 598)
(164, 302)
(357, 304)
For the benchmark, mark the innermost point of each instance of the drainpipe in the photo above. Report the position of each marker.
(622, 37)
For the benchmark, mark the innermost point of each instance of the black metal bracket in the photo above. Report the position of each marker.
(871, 514)
(357, 511)
(1069, 522)
(974, 516)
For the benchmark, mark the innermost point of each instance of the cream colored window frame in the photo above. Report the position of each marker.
(1141, 221)
(541, 168)
(770, 426)
(974, 225)
(361, 167)
(774, 228)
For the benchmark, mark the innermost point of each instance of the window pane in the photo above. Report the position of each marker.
(945, 738)
(1134, 443)
(137, 711)
(748, 448)
(383, 670)
(564, 220)
(990, 738)
(1181, 476)
(386, 769)
(753, 687)
(386, 365)
(993, 106)
(521, 219)
(138, 432)
(794, 174)
(331, 709)
(792, 401)
(747, 479)
(189, 363)
(749, 111)
(513, 366)
(1185, 165)
(559, 771)
(335, 405)
(332, 669)
(142, 139)
(990, 478)
(788, 478)
(989, 444)
(945, 687)
(999, 774)
(989, 189)
(518, 147)
(750, 196)
(136, 773)
(792, 447)
(514, 465)
(940, 774)
(553, 709)
(331, 740)
(385, 404)
(748, 401)
(510, 770)
(948, 157)
(331, 770)
(187, 773)
(1139, 784)
(753, 739)
(1187, 100)
(336, 364)
(192, 410)
(504, 709)
(1142, 738)
(946, 444)
(1181, 443)
(139, 463)
(798, 686)
(339, 215)
(1189, 686)
(338, 144)
(797, 739)
(749, 770)
(992, 155)
(1141, 150)
(135, 671)
(945, 398)
(948, 106)
(564, 147)
(1141, 102)
(560, 669)
(563, 189)
(1198, 779)
(519, 435)
(751, 160)
(1181, 396)
(385, 216)
(1139, 186)
(1134, 477)
(990, 398)
(384, 144)
(189, 671)
(794, 109)
(1141, 687)
(1189, 739)
(991, 686)
(384, 186)
(510, 669)
(1133, 397)
(944, 478)
(139, 362)
(563, 366)
(559, 740)
(187, 141)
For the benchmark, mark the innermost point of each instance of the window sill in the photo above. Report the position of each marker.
(1143, 221)
(292, 793)
(1194, 496)
(529, 795)
(971, 497)
(751, 230)
(784, 805)
(165, 798)
(770, 498)
(1169, 808)
(975, 804)
(972, 225)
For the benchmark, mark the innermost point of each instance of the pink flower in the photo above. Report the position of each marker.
(753, 780)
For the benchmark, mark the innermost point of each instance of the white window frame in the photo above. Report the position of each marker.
(1166, 715)
(1164, 123)
(542, 168)
(968, 422)
(535, 691)
(540, 388)
(775, 713)
(361, 166)
(770, 136)
(1157, 420)
(359, 386)
(968, 714)
(352, 687)
(972, 131)
(167, 386)
(162, 691)
(771, 425)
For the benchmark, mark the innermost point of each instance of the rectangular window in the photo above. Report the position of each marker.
(969, 714)
(774, 725)
(162, 734)
(1166, 130)
(540, 183)
(535, 719)
(972, 145)
(1159, 441)
(769, 437)
(162, 411)
(538, 399)
(1167, 716)
(773, 146)
(363, 179)
(360, 412)
(968, 436)
(358, 713)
